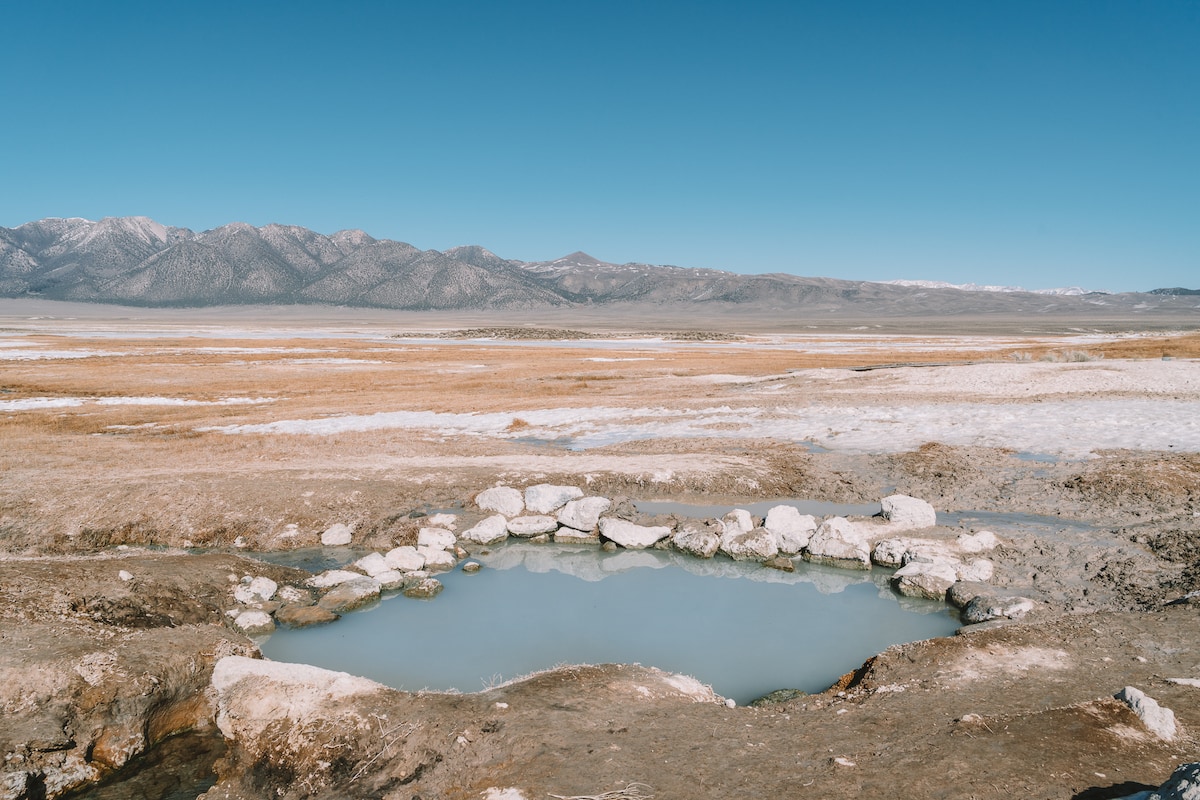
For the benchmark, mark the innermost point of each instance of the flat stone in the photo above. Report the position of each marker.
(443, 520)
(545, 498)
(908, 513)
(332, 577)
(501, 499)
(471, 567)
(975, 570)
(565, 535)
(337, 534)
(583, 514)
(987, 607)
(930, 579)
(373, 564)
(631, 536)
(254, 623)
(532, 525)
(492, 530)
(405, 559)
(437, 559)
(391, 580)
(436, 537)
(429, 587)
(351, 595)
(304, 616)
(791, 529)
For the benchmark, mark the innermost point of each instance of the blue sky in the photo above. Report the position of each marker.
(1029, 143)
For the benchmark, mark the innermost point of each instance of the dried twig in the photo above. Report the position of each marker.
(634, 791)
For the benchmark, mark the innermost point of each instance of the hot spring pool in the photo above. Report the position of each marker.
(743, 628)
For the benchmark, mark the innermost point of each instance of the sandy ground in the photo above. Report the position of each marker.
(141, 433)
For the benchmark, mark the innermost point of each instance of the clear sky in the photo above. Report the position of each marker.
(1039, 144)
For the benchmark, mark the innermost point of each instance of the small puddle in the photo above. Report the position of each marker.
(743, 628)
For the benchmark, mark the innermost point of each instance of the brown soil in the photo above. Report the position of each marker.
(95, 670)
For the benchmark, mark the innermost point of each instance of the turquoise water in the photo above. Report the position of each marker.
(743, 628)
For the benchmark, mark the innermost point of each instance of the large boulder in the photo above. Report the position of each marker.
(545, 498)
(304, 616)
(532, 525)
(583, 514)
(791, 529)
(757, 544)
(256, 590)
(490, 531)
(840, 543)
(501, 499)
(337, 534)
(698, 538)
(908, 513)
(405, 559)
(629, 535)
(351, 595)
(930, 579)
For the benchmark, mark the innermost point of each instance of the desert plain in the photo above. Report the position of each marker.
(172, 446)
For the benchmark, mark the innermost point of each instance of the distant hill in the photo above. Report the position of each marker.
(1177, 291)
(137, 261)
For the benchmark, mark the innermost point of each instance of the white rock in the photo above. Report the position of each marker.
(125, 575)
(436, 537)
(892, 552)
(501, 499)
(545, 498)
(908, 513)
(757, 544)
(977, 570)
(634, 537)
(332, 577)
(264, 587)
(490, 531)
(583, 514)
(391, 580)
(373, 564)
(697, 539)
(337, 534)
(532, 525)
(447, 521)
(977, 542)
(929, 579)
(436, 558)
(840, 543)
(254, 623)
(1158, 720)
(737, 521)
(1184, 784)
(791, 529)
(405, 559)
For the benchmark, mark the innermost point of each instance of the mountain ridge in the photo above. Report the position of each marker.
(138, 261)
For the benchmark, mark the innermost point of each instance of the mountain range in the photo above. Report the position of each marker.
(137, 261)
